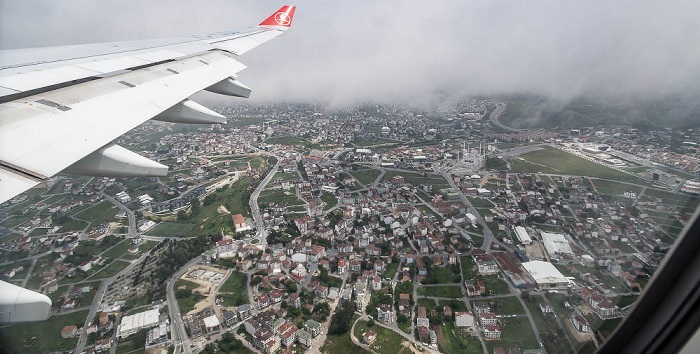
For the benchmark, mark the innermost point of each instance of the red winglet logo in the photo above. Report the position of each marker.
(283, 17)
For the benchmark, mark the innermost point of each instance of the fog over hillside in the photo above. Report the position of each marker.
(413, 51)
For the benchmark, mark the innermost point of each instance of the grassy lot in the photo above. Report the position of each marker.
(495, 285)
(341, 343)
(71, 225)
(564, 163)
(98, 214)
(459, 341)
(508, 306)
(478, 240)
(685, 202)
(456, 305)
(110, 270)
(210, 221)
(388, 342)
(285, 176)
(133, 344)
(366, 176)
(234, 290)
(18, 338)
(614, 188)
(441, 291)
(286, 140)
(480, 202)
(543, 323)
(329, 199)
(391, 270)
(429, 304)
(186, 298)
(279, 197)
(117, 250)
(437, 181)
(439, 275)
(171, 229)
(469, 270)
(514, 332)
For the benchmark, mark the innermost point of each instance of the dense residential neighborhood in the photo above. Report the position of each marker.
(297, 228)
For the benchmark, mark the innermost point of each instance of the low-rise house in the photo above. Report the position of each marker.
(369, 337)
(69, 331)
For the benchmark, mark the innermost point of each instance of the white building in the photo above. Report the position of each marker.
(545, 275)
(134, 323)
(556, 245)
(522, 235)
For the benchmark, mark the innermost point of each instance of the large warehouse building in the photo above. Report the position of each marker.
(545, 275)
(522, 235)
(134, 323)
(557, 245)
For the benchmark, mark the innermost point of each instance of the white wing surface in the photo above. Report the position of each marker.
(61, 107)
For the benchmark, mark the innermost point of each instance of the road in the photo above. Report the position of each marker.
(96, 304)
(500, 108)
(255, 209)
(129, 213)
(179, 337)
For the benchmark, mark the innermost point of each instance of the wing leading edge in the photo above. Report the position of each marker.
(63, 111)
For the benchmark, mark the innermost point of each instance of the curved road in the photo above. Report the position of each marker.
(500, 108)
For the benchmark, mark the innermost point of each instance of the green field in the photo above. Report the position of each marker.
(456, 305)
(437, 181)
(285, 176)
(286, 140)
(388, 342)
(480, 202)
(329, 199)
(452, 291)
(439, 275)
(391, 270)
(171, 229)
(514, 332)
(110, 270)
(458, 340)
(186, 298)
(341, 344)
(553, 160)
(507, 306)
(46, 335)
(366, 176)
(279, 197)
(210, 220)
(98, 214)
(614, 188)
(234, 290)
(429, 304)
(118, 250)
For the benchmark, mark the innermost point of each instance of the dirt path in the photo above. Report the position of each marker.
(440, 337)
(222, 210)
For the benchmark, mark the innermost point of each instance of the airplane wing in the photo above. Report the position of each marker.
(61, 107)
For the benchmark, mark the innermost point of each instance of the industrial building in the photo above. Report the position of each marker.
(134, 323)
(522, 235)
(556, 245)
(545, 275)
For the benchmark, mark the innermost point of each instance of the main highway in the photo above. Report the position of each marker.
(180, 340)
(255, 210)
(500, 108)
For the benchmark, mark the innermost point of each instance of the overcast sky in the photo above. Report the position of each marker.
(349, 51)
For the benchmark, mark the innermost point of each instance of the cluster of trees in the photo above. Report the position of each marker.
(342, 319)
(227, 344)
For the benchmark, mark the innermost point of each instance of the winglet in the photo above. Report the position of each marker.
(281, 19)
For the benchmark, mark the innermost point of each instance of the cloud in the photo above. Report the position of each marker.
(410, 51)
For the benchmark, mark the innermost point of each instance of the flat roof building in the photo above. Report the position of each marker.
(134, 323)
(556, 245)
(522, 235)
(545, 275)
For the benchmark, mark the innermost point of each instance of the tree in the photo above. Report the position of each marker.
(341, 320)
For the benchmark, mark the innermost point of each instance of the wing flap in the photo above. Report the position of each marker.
(12, 183)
